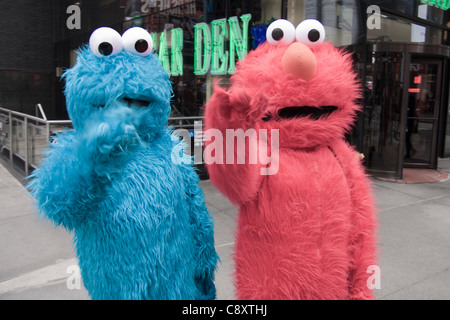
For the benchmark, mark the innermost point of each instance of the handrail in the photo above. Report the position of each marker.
(23, 137)
(59, 121)
(44, 118)
(41, 110)
(185, 118)
(23, 115)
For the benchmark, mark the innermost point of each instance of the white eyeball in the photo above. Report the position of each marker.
(105, 42)
(310, 32)
(138, 41)
(280, 31)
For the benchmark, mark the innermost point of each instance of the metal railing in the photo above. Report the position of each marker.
(184, 122)
(23, 138)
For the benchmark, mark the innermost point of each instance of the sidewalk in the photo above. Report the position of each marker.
(414, 241)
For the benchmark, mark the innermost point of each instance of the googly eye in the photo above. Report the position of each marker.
(280, 31)
(310, 32)
(105, 42)
(138, 41)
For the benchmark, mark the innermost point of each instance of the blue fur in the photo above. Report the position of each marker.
(141, 227)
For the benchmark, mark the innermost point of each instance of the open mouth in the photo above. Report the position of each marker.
(136, 102)
(139, 103)
(313, 113)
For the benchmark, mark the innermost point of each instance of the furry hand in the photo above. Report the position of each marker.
(109, 137)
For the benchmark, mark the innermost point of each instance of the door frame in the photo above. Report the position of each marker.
(410, 51)
(445, 95)
(437, 110)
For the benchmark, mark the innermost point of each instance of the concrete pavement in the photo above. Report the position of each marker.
(37, 261)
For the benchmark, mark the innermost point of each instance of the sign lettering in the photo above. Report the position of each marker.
(210, 53)
(441, 4)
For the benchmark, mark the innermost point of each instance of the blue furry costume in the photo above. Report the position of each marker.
(141, 227)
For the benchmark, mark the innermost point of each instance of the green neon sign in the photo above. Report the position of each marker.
(210, 53)
(164, 51)
(202, 35)
(219, 62)
(441, 4)
(173, 62)
(238, 40)
(176, 51)
(209, 45)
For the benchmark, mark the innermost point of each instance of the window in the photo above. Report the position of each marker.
(400, 30)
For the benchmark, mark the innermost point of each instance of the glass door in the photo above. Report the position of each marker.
(423, 112)
(381, 118)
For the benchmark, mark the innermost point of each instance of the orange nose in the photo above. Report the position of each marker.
(299, 61)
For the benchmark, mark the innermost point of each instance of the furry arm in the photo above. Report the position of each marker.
(203, 231)
(362, 238)
(72, 177)
(239, 182)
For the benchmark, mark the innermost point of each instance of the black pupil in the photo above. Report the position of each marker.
(313, 35)
(277, 34)
(141, 45)
(105, 48)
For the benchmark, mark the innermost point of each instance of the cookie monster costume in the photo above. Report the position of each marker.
(141, 227)
(307, 230)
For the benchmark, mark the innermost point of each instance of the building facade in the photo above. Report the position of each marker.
(401, 51)
(404, 64)
(27, 60)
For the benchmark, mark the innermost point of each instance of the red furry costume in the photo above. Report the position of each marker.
(306, 232)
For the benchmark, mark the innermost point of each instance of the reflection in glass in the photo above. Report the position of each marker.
(405, 6)
(422, 112)
(447, 135)
(422, 90)
(341, 19)
(419, 139)
(382, 111)
(270, 10)
(399, 30)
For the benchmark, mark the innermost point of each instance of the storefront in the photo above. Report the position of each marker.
(405, 66)
(401, 52)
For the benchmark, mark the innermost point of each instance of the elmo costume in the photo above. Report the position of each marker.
(306, 231)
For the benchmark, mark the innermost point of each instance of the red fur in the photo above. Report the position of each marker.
(306, 232)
